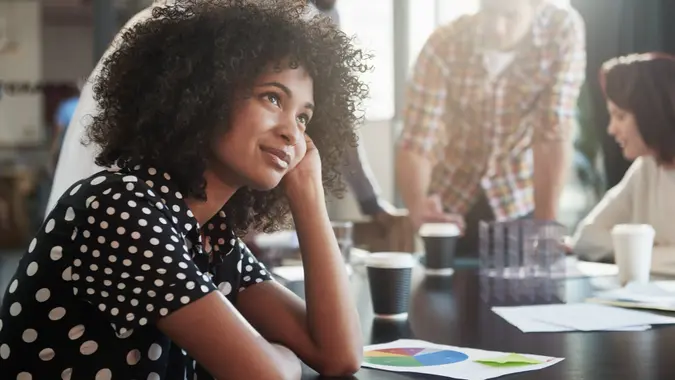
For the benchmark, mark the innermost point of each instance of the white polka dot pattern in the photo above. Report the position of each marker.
(119, 251)
(122, 240)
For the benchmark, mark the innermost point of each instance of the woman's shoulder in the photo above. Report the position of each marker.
(644, 170)
(103, 187)
(98, 183)
(642, 179)
(641, 167)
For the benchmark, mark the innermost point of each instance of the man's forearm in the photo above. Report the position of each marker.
(413, 176)
(550, 169)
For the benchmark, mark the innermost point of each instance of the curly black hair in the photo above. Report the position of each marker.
(169, 87)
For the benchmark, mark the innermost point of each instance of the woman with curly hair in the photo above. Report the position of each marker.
(640, 95)
(76, 160)
(213, 115)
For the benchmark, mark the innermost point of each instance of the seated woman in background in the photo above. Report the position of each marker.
(212, 118)
(640, 92)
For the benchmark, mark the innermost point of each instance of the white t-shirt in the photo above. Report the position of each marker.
(645, 196)
(496, 61)
(76, 160)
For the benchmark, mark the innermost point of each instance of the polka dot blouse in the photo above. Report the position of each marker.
(120, 250)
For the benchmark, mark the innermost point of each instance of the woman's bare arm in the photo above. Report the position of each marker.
(325, 332)
(213, 332)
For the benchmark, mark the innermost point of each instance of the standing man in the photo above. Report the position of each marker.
(488, 116)
(76, 160)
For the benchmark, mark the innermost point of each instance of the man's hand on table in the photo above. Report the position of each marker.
(430, 210)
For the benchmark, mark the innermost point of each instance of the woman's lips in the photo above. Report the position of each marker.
(278, 157)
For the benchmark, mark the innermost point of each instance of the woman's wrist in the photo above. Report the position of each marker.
(310, 194)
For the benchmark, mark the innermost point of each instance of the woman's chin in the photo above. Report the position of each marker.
(265, 184)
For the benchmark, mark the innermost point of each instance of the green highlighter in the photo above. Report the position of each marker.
(510, 360)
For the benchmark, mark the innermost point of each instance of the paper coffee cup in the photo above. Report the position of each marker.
(440, 241)
(633, 245)
(390, 275)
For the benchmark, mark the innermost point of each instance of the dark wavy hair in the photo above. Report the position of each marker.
(169, 87)
(644, 85)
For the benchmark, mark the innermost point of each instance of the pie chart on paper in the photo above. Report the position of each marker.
(413, 357)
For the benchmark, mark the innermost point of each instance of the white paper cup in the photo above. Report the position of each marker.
(633, 244)
(390, 276)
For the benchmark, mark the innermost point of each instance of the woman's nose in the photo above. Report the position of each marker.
(289, 131)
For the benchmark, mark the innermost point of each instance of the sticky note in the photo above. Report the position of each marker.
(509, 360)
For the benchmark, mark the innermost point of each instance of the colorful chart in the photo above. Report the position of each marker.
(413, 357)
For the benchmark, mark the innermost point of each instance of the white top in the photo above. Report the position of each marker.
(645, 195)
(76, 160)
(496, 61)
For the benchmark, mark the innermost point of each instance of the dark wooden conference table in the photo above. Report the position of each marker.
(450, 310)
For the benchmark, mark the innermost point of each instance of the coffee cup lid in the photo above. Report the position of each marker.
(392, 260)
(439, 230)
(628, 228)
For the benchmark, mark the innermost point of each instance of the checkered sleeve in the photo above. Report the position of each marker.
(557, 106)
(424, 111)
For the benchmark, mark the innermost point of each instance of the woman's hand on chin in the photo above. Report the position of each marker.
(305, 178)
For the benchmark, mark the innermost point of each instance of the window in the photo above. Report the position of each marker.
(372, 24)
(425, 16)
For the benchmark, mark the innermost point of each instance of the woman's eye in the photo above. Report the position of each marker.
(303, 119)
(273, 98)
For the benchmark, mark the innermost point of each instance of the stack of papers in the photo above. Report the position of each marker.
(579, 317)
(659, 295)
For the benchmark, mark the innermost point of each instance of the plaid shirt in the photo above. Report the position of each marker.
(478, 133)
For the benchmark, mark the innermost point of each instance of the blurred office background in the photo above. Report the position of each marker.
(47, 47)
